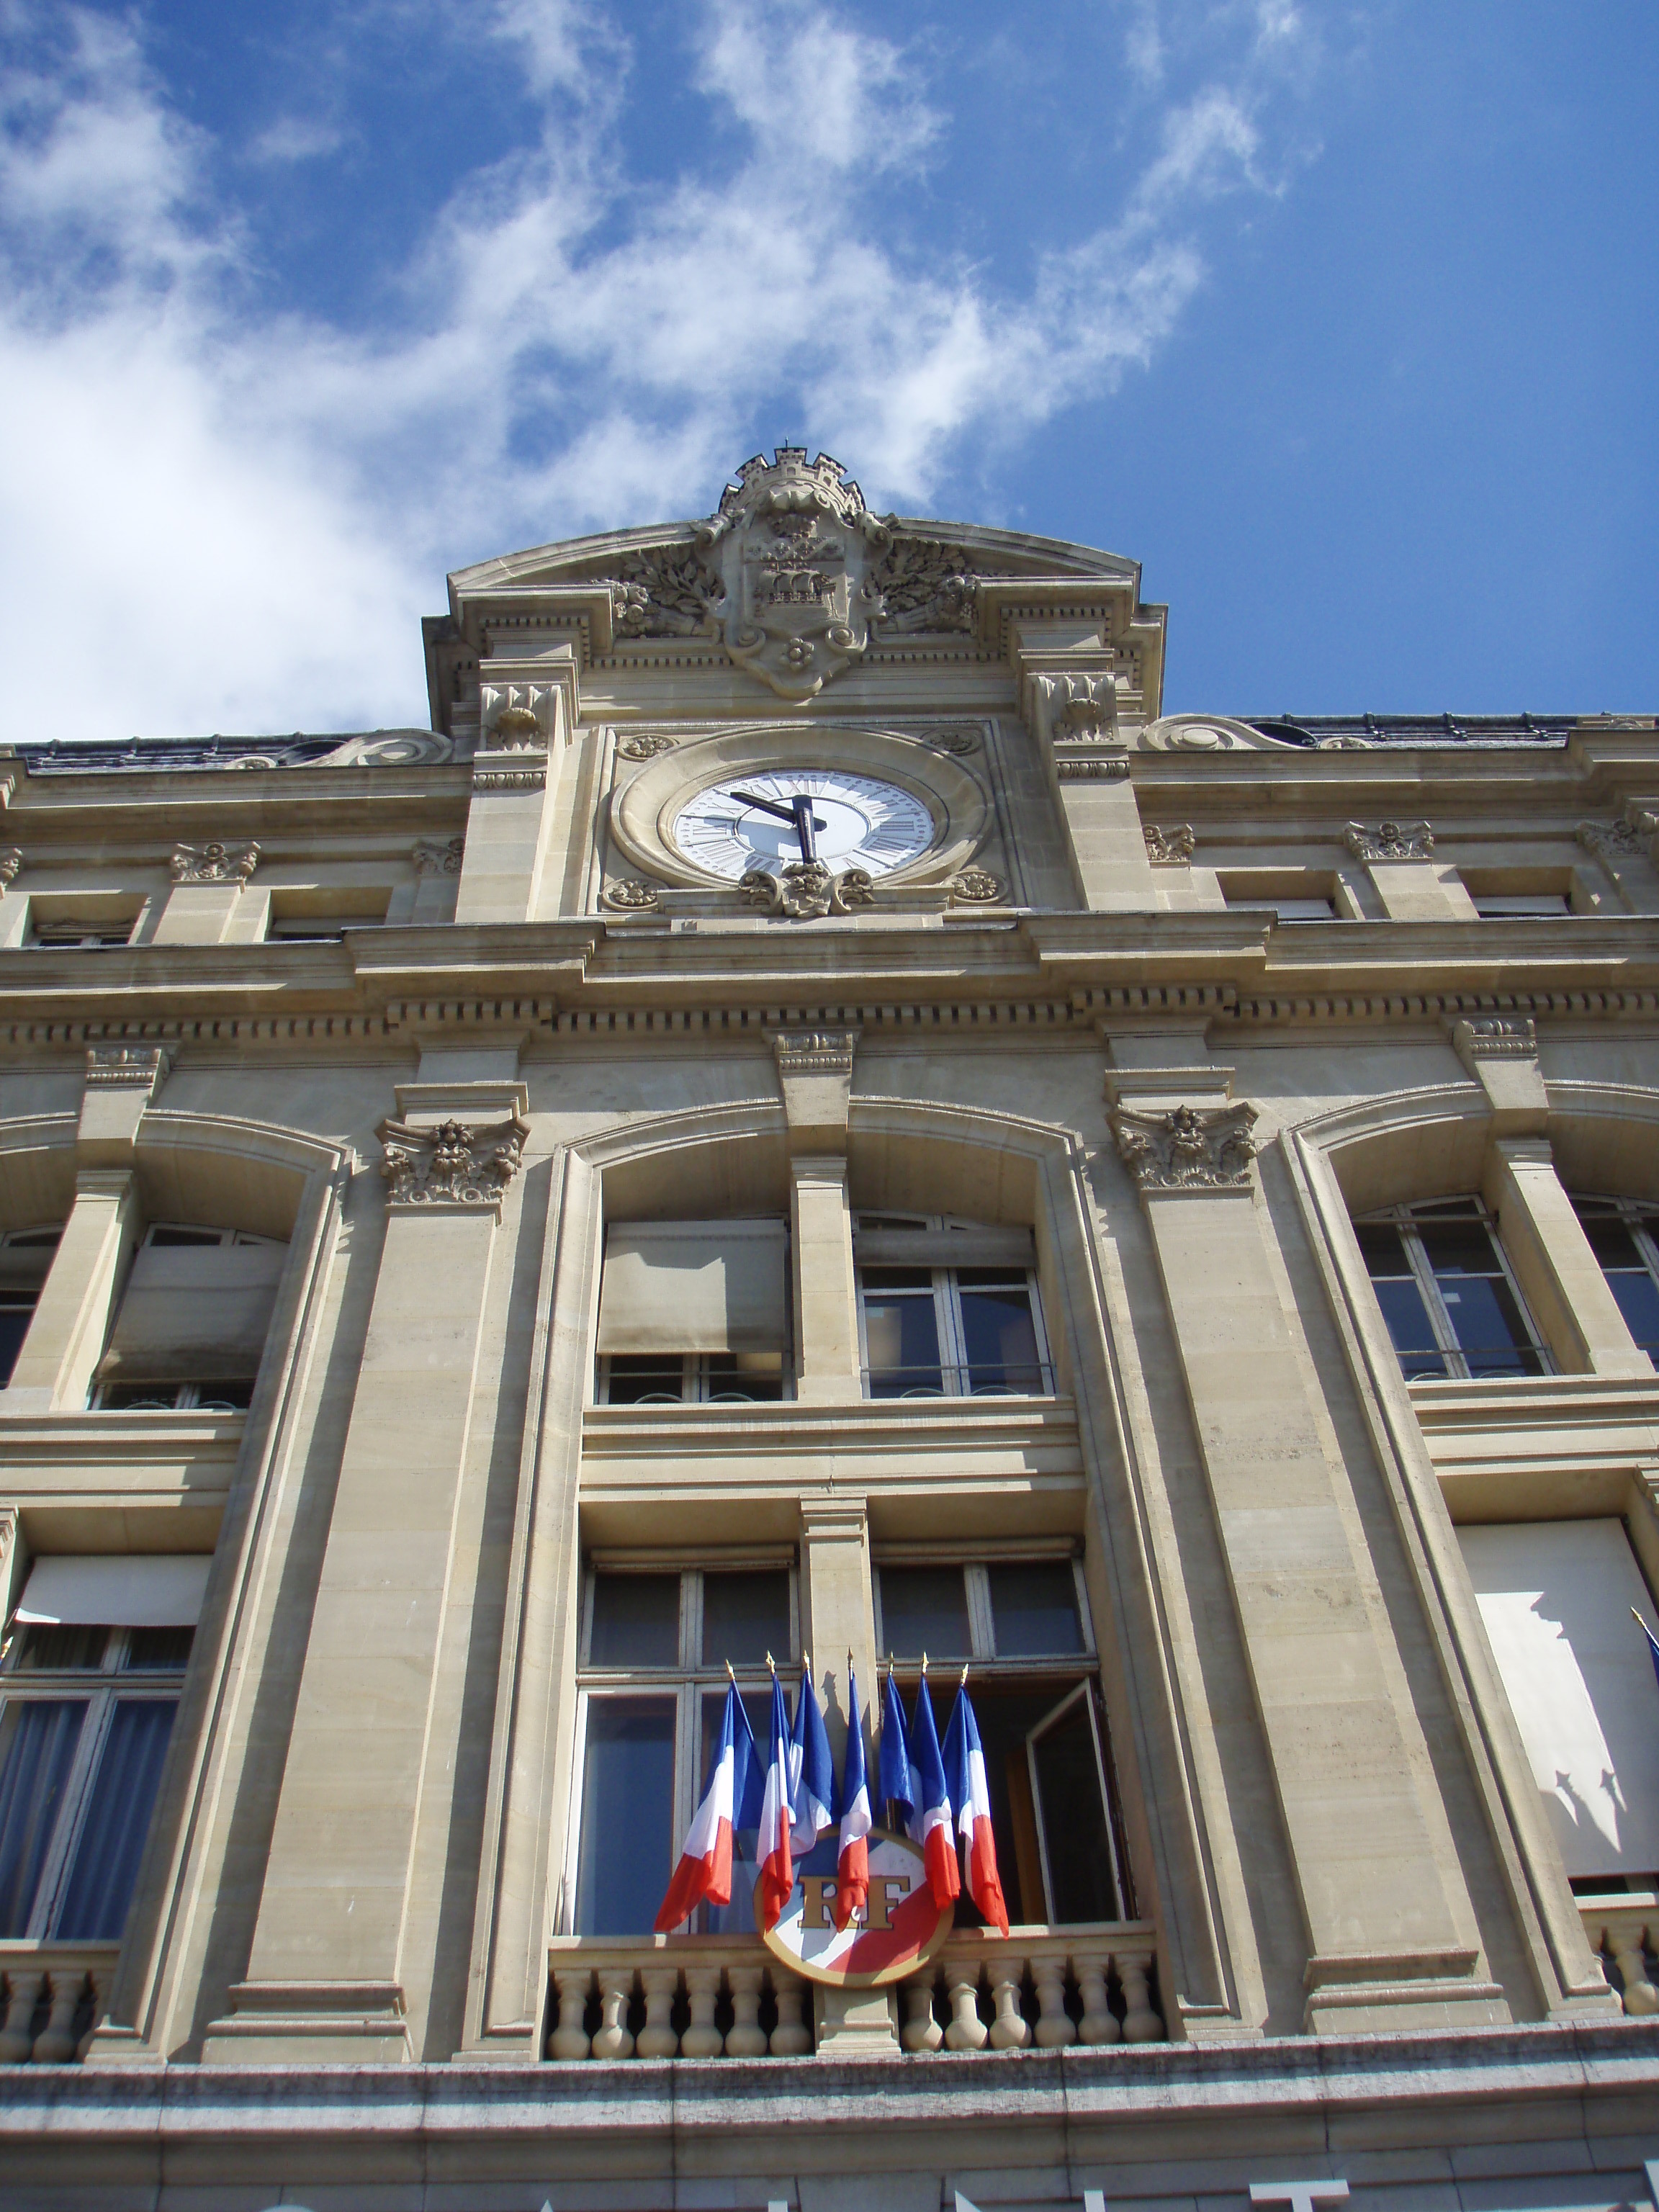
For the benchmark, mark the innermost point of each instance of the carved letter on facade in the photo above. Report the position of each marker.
(1390, 841)
(450, 1164)
(214, 863)
(1192, 1148)
(1169, 847)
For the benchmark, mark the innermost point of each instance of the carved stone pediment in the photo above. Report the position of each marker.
(1189, 1148)
(451, 1163)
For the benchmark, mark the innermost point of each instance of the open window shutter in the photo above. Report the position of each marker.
(694, 1286)
(194, 1313)
(117, 1589)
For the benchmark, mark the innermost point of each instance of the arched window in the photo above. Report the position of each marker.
(1451, 1302)
(1624, 1234)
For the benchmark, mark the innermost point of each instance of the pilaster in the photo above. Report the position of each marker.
(208, 882)
(815, 1074)
(524, 732)
(1068, 694)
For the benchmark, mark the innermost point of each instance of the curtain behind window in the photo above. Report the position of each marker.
(37, 1748)
(118, 1821)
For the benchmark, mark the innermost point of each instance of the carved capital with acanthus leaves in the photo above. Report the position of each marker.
(214, 863)
(1189, 1148)
(1169, 845)
(450, 1164)
(1390, 841)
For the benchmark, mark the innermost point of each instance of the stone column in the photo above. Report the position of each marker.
(70, 1324)
(207, 881)
(1072, 707)
(523, 731)
(815, 1073)
(1413, 886)
(1391, 1932)
(325, 1976)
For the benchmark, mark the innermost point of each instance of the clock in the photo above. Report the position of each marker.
(775, 815)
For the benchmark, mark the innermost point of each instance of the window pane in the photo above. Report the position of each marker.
(1610, 1240)
(628, 1849)
(1034, 1608)
(1001, 1340)
(924, 1609)
(744, 1617)
(62, 1646)
(158, 1651)
(1459, 1248)
(902, 1338)
(1382, 1250)
(37, 1744)
(1486, 1320)
(16, 1311)
(1638, 1301)
(1408, 1318)
(113, 1833)
(1074, 1831)
(742, 1376)
(636, 1621)
(644, 1378)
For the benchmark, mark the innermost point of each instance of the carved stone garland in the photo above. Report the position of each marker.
(1390, 841)
(806, 891)
(1190, 1148)
(450, 1164)
(214, 863)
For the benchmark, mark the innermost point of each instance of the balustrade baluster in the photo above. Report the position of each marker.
(1099, 2022)
(702, 2039)
(54, 2045)
(1626, 1944)
(657, 2038)
(570, 2039)
(1141, 2024)
(101, 1977)
(616, 1987)
(22, 1993)
(1054, 2028)
(920, 2031)
(967, 2031)
(790, 2037)
(1010, 2030)
(747, 2037)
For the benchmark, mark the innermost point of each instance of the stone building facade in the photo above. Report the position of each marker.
(806, 1116)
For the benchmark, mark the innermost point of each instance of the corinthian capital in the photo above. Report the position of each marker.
(1190, 1148)
(451, 1165)
(215, 863)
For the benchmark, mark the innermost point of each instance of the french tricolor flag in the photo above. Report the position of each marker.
(811, 1772)
(965, 1766)
(777, 1869)
(705, 1867)
(900, 1783)
(930, 1822)
(853, 1863)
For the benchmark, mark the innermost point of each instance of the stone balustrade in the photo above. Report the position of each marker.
(1022, 1991)
(687, 1996)
(52, 1997)
(1624, 1930)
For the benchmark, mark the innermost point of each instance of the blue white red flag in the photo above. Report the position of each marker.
(777, 1869)
(852, 1860)
(728, 1804)
(930, 1823)
(964, 1771)
(899, 1783)
(812, 1771)
(1653, 1646)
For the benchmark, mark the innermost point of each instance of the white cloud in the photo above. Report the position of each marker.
(296, 139)
(214, 515)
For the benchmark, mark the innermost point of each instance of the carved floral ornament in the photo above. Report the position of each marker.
(1613, 841)
(630, 894)
(1189, 1148)
(1389, 840)
(516, 717)
(1168, 844)
(815, 1052)
(432, 859)
(450, 1164)
(644, 744)
(214, 863)
(806, 891)
(1497, 1036)
(976, 887)
(11, 859)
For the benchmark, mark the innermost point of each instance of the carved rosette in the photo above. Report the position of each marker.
(122, 1065)
(957, 742)
(1613, 841)
(432, 859)
(806, 891)
(1170, 845)
(1390, 841)
(214, 863)
(644, 745)
(976, 887)
(451, 1165)
(11, 859)
(629, 894)
(1189, 1148)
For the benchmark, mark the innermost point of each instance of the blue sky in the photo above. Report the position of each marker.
(1340, 318)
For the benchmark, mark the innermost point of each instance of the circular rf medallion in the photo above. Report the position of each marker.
(900, 1928)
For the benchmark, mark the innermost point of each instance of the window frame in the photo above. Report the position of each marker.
(1639, 1218)
(955, 1367)
(101, 1690)
(695, 1380)
(1404, 1219)
(688, 1681)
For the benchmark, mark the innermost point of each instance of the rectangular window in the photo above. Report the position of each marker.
(1023, 1625)
(1499, 906)
(694, 1312)
(82, 935)
(934, 1324)
(191, 1325)
(25, 1259)
(1624, 1234)
(1452, 1306)
(655, 1646)
(87, 1709)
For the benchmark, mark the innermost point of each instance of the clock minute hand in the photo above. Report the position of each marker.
(798, 814)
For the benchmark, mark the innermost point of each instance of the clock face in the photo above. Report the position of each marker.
(858, 823)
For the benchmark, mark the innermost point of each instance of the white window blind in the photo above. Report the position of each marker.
(119, 1591)
(194, 1312)
(1555, 1596)
(694, 1286)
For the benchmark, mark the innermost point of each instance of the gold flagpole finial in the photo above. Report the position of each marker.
(771, 1663)
(1640, 1623)
(924, 1662)
(964, 1673)
(733, 1677)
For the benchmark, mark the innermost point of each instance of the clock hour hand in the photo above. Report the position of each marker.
(798, 814)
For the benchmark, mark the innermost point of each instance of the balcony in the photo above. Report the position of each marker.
(51, 1997)
(700, 1996)
(1623, 1932)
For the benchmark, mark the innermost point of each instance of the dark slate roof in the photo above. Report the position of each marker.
(144, 755)
(1330, 730)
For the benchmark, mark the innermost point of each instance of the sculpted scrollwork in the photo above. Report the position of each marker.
(1390, 841)
(1613, 841)
(806, 891)
(450, 1164)
(1189, 1148)
(432, 859)
(923, 584)
(1095, 768)
(1168, 844)
(1076, 707)
(214, 863)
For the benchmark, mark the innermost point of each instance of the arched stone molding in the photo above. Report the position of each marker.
(273, 1180)
(37, 1168)
(1349, 1160)
(1020, 1171)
